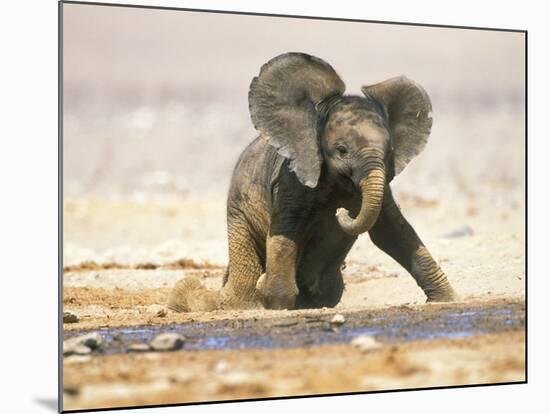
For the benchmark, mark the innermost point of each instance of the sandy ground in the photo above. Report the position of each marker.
(479, 247)
(194, 376)
(162, 240)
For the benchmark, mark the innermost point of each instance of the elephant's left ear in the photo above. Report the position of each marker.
(408, 108)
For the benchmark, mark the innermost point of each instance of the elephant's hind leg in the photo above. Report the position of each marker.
(189, 295)
(239, 281)
(245, 267)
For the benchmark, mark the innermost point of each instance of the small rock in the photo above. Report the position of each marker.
(70, 317)
(75, 349)
(83, 344)
(92, 340)
(221, 366)
(167, 342)
(162, 313)
(338, 319)
(366, 343)
(459, 232)
(139, 348)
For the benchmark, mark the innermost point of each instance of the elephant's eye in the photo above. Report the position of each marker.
(341, 150)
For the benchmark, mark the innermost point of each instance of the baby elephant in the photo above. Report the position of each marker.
(314, 180)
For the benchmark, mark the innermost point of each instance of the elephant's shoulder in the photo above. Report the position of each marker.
(259, 146)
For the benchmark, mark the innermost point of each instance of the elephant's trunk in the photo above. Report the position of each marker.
(372, 194)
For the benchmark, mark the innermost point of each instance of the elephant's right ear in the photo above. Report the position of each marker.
(282, 102)
(408, 108)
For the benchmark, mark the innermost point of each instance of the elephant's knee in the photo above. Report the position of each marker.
(277, 293)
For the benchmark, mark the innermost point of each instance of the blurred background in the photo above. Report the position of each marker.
(156, 112)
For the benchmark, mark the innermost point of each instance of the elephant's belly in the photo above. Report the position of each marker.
(325, 248)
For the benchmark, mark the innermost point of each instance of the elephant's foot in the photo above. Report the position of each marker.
(189, 295)
(442, 295)
(431, 278)
(277, 293)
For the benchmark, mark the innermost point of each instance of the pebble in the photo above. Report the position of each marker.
(462, 231)
(75, 349)
(139, 348)
(70, 317)
(338, 319)
(92, 340)
(83, 344)
(366, 343)
(167, 342)
(221, 366)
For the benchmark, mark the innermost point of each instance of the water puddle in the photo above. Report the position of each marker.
(389, 327)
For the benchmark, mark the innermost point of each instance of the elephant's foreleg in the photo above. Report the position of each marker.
(395, 236)
(278, 286)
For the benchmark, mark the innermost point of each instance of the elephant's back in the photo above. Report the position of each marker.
(258, 152)
(256, 165)
(251, 184)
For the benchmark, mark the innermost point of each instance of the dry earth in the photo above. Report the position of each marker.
(194, 376)
(128, 286)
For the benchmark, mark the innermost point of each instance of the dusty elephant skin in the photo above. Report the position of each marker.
(316, 178)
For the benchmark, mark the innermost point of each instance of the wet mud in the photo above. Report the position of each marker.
(395, 325)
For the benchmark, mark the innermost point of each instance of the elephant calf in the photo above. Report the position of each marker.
(314, 180)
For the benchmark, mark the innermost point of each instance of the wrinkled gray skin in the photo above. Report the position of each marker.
(316, 178)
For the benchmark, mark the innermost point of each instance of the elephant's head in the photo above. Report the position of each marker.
(297, 102)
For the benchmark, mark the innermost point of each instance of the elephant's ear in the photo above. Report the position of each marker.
(408, 108)
(282, 102)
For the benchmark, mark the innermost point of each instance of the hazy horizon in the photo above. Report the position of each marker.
(156, 96)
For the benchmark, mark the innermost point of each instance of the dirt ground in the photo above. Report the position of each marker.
(160, 241)
(194, 376)
(127, 286)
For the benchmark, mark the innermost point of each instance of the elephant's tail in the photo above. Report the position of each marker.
(189, 295)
